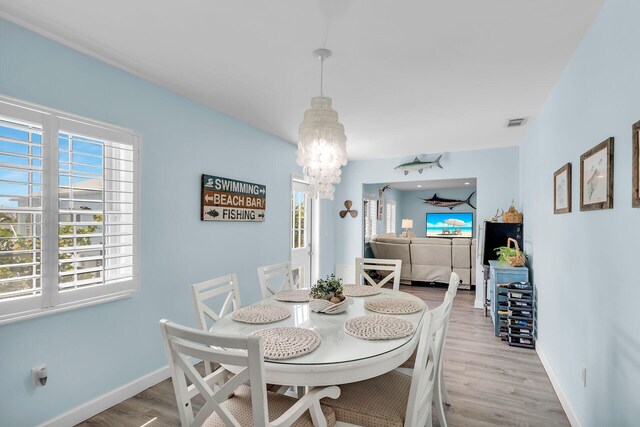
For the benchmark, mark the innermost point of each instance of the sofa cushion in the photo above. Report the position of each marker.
(461, 254)
(430, 241)
(430, 273)
(430, 259)
(461, 241)
(431, 255)
(397, 240)
(374, 248)
(396, 251)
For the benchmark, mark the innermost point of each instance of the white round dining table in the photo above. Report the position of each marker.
(340, 358)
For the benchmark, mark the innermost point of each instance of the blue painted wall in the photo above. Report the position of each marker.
(416, 209)
(496, 171)
(585, 264)
(94, 350)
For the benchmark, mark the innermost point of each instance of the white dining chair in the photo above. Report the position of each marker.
(222, 292)
(454, 282)
(442, 395)
(275, 278)
(364, 266)
(228, 401)
(395, 398)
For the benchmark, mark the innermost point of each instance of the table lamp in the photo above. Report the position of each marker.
(407, 224)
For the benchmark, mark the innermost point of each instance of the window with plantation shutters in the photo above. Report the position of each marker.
(370, 218)
(390, 216)
(68, 211)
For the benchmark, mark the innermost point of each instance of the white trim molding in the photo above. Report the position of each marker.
(564, 401)
(101, 403)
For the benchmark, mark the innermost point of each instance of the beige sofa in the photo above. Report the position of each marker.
(394, 248)
(429, 259)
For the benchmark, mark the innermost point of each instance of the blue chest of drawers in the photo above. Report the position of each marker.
(502, 274)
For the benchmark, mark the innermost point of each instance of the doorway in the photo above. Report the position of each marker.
(301, 234)
(431, 225)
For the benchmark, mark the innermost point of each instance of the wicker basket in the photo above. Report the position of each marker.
(512, 215)
(519, 259)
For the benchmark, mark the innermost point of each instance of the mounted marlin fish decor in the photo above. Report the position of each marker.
(419, 165)
(448, 203)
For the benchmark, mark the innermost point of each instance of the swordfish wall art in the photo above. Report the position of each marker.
(225, 199)
(447, 203)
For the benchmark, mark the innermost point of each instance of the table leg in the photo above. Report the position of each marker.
(301, 391)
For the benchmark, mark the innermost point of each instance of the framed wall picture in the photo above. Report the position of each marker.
(562, 190)
(596, 177)
(635, 161)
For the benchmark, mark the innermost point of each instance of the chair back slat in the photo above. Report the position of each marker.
(423, 379)
(182, 342)
(208, 293)
(364, 267)
(454, 281)
(276, 278)
(221, 355)
(204, 292)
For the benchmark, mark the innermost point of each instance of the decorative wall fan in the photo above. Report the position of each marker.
(348, 210)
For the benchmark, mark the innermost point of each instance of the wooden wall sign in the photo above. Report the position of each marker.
(225, 199)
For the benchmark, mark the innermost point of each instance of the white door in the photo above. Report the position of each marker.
(301, 233)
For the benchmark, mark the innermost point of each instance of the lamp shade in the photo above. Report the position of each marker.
(407, 223)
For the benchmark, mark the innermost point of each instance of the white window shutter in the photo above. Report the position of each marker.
(68, 211)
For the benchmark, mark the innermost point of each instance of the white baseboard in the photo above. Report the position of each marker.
(564, 401)
(477, 303)
(107, 400)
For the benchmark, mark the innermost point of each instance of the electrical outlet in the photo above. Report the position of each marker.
(39, 375)
(583, 376)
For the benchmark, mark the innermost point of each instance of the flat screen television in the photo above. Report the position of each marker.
(450, 224)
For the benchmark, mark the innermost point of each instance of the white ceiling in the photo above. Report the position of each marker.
(407, 76)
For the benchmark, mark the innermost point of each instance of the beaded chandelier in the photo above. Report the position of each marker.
(322, 148)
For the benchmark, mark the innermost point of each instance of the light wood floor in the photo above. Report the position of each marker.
(489, 383)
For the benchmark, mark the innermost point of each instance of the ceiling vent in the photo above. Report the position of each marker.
(514, 123)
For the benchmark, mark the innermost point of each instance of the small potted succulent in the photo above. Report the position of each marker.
(327, 296)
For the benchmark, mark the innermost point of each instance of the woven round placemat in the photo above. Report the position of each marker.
(377, 327)
(297, 295)
(360, 291)
(393, 306)
(287, 342)
(260, 314)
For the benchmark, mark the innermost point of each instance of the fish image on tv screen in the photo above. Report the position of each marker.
(450, 224)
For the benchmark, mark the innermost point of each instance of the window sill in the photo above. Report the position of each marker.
(32, 314)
